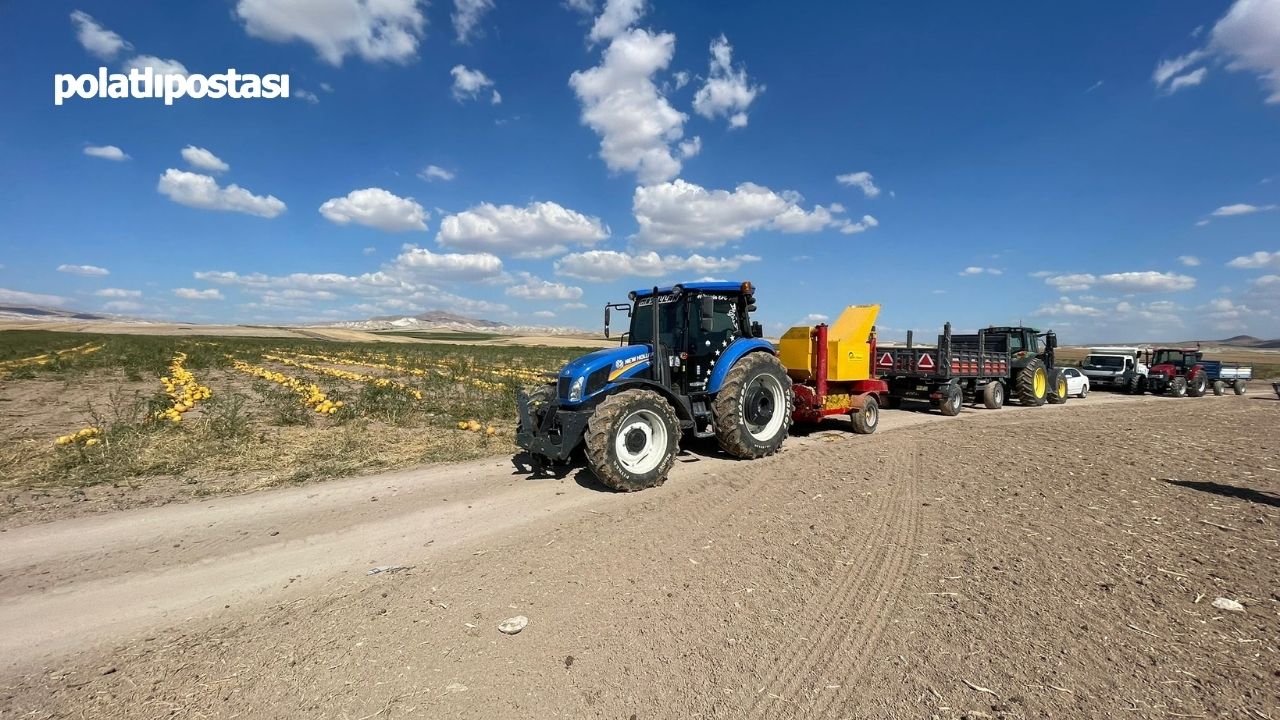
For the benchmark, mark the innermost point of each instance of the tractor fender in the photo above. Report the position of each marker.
(737, 350)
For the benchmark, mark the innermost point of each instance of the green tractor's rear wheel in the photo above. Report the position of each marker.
(753, 408)
(1032, 384)
(1178, 387)
(993, 395)
(1057, 394)
(866, 418)
(1219, 388)
(632, 439)
(1197, 384)
(952, 400)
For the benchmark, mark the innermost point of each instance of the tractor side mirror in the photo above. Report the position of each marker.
(707, 313)
(606, 322)
(757, 330)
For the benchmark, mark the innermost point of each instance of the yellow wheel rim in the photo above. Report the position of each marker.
(1039, 384)
(1062, 388)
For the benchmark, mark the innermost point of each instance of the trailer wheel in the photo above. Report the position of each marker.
(1238, 388)
(1219, 388)
(993, 395)
(632, 438)
(866, 418)
(1032, 384)
(1178, 387)
(1197, 383)
(1057, 394)
(753, 408)
(951, 404)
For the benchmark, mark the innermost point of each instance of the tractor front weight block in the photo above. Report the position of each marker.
(552, 432)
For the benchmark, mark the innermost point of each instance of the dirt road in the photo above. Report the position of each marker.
(1059, 561)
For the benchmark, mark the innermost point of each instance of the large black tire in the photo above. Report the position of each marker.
(1197, 384)
(1219, 388)
(891, 402)
(623, 432)
(1136, 385)
(1239, 387)
(993, 395)
(1177, 387)
(753, 408)
(867, 418)
(1032, 384)
(952, 401)
(1057, 393)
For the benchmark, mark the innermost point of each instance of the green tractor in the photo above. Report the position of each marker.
(1034, 377)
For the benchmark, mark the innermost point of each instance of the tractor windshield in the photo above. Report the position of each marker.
(669, 320)
(1174, 357)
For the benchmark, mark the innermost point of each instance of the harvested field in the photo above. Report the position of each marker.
(1061, 561)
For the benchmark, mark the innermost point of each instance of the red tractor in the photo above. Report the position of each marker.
(1177, 372)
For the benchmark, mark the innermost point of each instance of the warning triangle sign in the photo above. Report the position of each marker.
(926, 362)
(886, 360)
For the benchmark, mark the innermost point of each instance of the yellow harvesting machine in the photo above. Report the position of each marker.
(850, 344)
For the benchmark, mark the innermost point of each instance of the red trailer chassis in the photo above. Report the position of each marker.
(819, 397)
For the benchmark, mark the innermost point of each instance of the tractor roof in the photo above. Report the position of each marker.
(720, 287)
(1009, 329)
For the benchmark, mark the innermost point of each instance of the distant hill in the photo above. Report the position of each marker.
(51, 314)
(443, 321)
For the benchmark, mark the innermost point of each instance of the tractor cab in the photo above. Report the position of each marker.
(1022, 343)
(1177, 359)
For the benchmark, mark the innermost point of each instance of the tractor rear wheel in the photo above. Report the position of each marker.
(1219, 388)
(632, 439)
(866, 418)
(1032, 384)
(1197, 384)
(993, 395)
(1136, 385)
(1057, 387)
(753, 408)
(1178, 387)
(951, 402)
(1238, 388)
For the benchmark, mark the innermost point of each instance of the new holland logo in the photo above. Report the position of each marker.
(886, 360)
(926, 362)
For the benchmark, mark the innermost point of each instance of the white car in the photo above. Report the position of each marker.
(1077, 382)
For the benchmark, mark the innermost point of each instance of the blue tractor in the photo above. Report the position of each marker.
(691, 361)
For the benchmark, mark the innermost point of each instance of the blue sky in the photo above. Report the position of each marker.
(1111, 170)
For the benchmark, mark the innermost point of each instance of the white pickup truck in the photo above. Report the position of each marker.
(1120, 368)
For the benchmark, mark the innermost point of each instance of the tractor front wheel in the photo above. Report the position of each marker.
(632, 439)
(1032, 384)
(993, 395)
(1057, 388)
(952, 401)
(753, 408)
(866, 418)
(1178, 387)
(1197, 384)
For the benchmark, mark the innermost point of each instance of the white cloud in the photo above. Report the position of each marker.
(606, 265)
(468, 83)
(435, 172)
(535, 288)
(202, 159)
(201, 191)
(118, 293)
(813, 318)
(681, 79)
(376, 208)
(369, 250)
(1241, 209)
(539, 229)
(690, 147)
(1248, 36)
(306, 95)
(866, 223)
(374, 30)
(106, 152)
(421, 263)
(636, 124)
(1166, 70)
(1133, 282)
(98, 40)
(1189, 260)
(20, 297)
(544, 314)
(120, 306)
(861, 180)
(727, 91)
(1065, 308)
(1191, 79)
(682, 214)
(467, 15)
(86, 270)
(618, 15)
(1228, 315)
(573, 306)
(193, 294)
(159, 66)
(976, 270)
(1257, 261)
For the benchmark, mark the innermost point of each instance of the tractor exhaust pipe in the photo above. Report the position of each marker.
(657, 361)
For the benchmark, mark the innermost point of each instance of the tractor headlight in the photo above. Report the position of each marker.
(577, 388)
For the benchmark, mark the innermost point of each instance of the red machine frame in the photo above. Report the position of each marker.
(811, 396)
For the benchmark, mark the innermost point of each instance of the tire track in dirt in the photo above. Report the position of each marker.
(866, 589)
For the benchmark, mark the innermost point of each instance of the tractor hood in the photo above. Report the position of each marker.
(595, 371)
